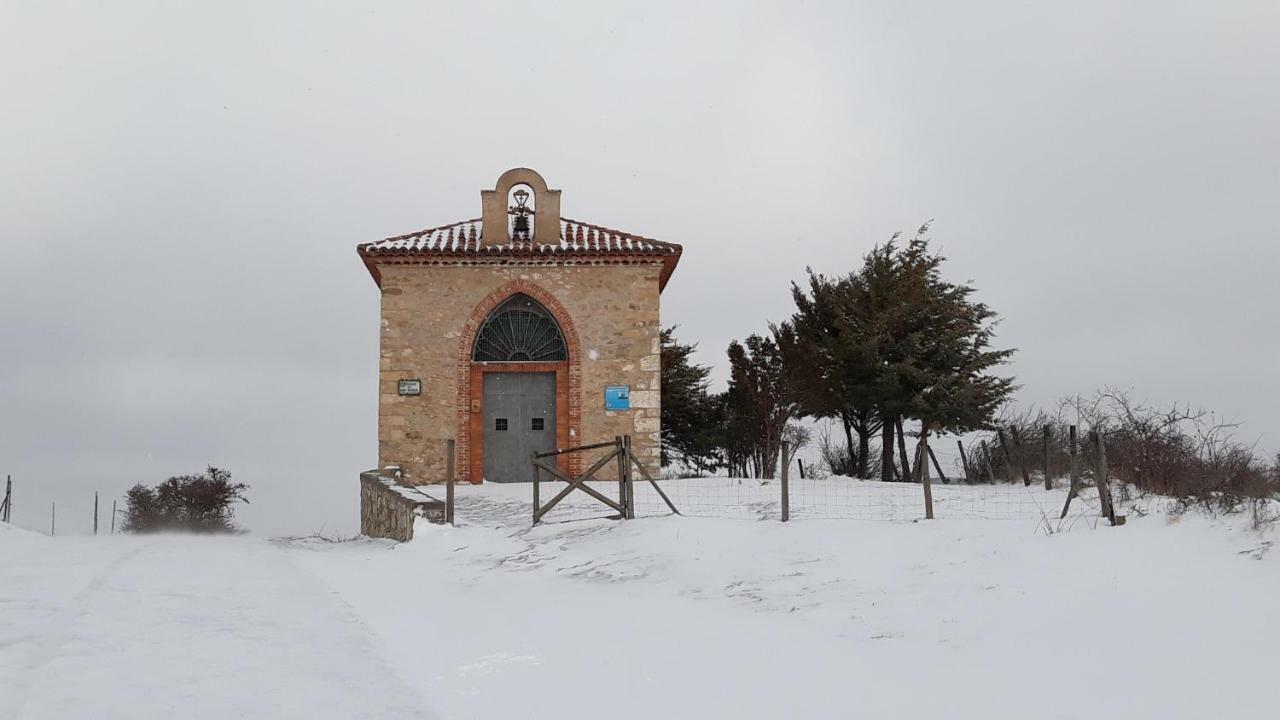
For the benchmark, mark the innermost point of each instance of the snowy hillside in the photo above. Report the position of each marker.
(673, 617)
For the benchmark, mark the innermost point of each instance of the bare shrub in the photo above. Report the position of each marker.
(1023, 432)
(1179, 452)
(1264, 513)
(201, 503)
(836, 456)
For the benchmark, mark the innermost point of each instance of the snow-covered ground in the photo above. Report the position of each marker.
(675, 617)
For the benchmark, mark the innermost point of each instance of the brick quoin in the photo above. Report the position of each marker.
(469, 430)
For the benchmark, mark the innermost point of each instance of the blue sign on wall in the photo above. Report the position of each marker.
(617, 397)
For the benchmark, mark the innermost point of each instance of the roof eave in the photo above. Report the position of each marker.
(371, 260)
(370, 265)
(669, 267)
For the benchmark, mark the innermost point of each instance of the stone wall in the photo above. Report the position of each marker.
(614, 312)
(388, 509)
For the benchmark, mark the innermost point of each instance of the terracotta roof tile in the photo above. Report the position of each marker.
(465, 236)
(578, 241)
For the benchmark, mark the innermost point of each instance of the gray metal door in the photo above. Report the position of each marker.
(519, 419)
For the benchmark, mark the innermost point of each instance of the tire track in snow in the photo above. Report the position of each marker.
(56, 629)
(325, 588)
(200, 627)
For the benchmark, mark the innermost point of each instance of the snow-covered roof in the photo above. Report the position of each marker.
(578, 241)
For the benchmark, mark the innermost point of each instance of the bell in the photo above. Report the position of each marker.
(520, 228)
(521, 225)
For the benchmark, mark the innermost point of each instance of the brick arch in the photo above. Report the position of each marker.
(519, 176)
(469, 435)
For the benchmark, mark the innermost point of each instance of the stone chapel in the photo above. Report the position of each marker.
(516, 332)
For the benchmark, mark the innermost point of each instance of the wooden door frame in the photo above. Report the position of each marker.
(475, 430)
(470, 407)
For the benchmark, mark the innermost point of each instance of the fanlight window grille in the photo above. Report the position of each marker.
(519, 330)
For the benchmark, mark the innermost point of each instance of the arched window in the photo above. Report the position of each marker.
(519, 330)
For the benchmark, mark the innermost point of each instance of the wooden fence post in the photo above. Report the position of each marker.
(631, 486)
(113, 517)
(448, 480)
(95, 512)
(622, 473)
(1008, 456)
(1022, 456)
(1073, 469)
(964, 461)
(902, 450)
(924, 472)
(936, 466)
(533, 458)
(1048, 480)
(786, 490)
(53, 519)
(986, 458)
(800, 464)
(1104, 490)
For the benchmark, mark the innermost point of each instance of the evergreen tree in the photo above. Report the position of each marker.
(831, 363)
(932, 345)
(759, 404)
(691, 417)
(893, 341)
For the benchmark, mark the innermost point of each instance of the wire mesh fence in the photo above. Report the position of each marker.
(1017, 494)
(838, 498)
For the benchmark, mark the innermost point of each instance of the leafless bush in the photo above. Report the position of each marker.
(1179, 452)
(836, 456)
(1020, 444)
(1264, 513)
(319, 536)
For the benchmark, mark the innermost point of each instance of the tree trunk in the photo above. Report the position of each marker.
(848, 444)
(902, 450)
(864, 449)
(886, 451)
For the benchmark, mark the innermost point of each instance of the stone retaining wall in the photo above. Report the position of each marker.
(388, 509)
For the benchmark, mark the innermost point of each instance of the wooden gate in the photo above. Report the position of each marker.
(619, 453)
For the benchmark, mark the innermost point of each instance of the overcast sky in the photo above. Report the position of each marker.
(184, 185)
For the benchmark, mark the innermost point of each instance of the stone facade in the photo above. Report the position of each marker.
(388, 509)
(608, 313)
(439, 285)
